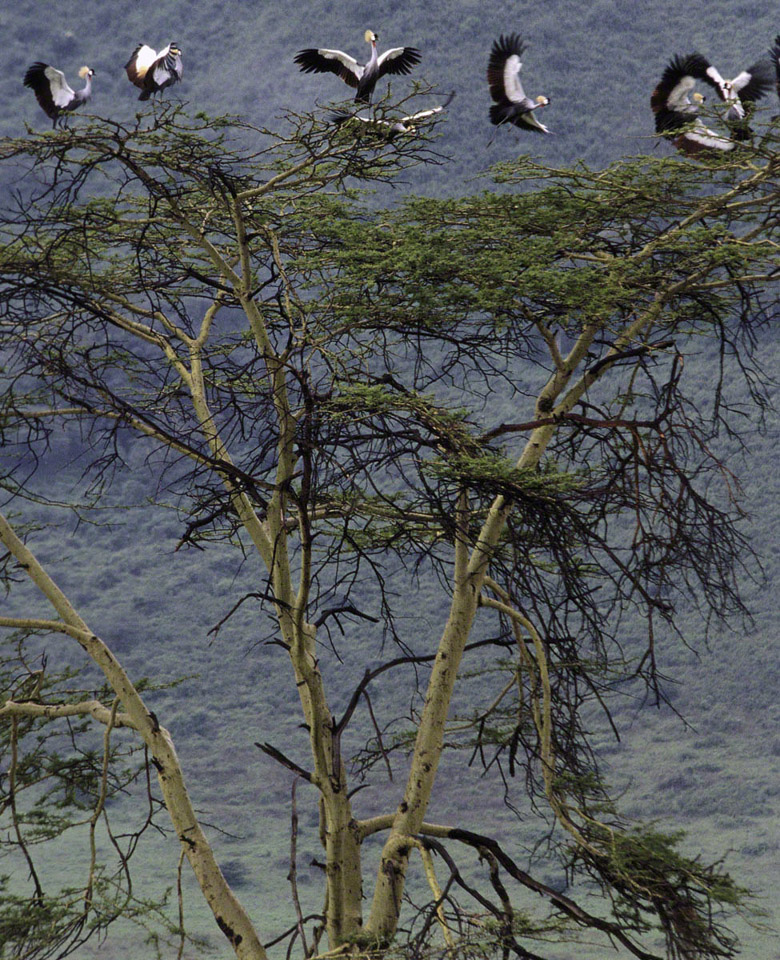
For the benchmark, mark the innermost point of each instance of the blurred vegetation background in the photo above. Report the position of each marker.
(597, 61)
(715, 774)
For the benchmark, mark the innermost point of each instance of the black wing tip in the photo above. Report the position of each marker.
(410, 57)
(305, 58)
(761, 70)
(688, 64)
(694, 65)
(35, 73)
(311, 60)
(762, 79)
(511, 44)
(505, 47)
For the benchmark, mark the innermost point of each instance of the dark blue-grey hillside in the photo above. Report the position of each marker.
(715, 776)
(597, 62)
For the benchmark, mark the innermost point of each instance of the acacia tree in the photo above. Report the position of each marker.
(489, 391)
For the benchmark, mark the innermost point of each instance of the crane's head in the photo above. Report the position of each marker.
(698, 97)
(174, 49)
(542, 101)
(728, 93)
(370, 36)
(85, 72)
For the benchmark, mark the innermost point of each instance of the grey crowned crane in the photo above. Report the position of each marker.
(741, 94)
(675, 104)
(503, 76)
(397, 60)
(748, 86)
(54, 93)
(388, 129)
(151, 71)
(774, 53)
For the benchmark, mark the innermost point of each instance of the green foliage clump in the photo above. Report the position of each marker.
(650, 877)
(492, 473)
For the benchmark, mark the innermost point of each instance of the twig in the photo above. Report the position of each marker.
(180, 900)
(379, 740)
(285, 761)
(292, 876)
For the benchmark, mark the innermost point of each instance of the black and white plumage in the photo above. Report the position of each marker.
(364, 77)
(53, 92)
(699, 139)
(151, 71)
(675, 103)
(745, 89)
(503, 76)
(388, 129)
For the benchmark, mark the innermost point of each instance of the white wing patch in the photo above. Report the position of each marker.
(61, 91)
(391, 54)
(422, 115)
(349, 62)
(708, 138)
(530, 119)
(715, 76)
(740, 81)
(144, 59)
(512, 85)
(678, 97)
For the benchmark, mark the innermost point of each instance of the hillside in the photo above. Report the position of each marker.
(597, 62)
(713, 773)
(710, 768)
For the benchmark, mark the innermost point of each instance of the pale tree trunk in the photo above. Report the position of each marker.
(344, 890)
(228, 913)
(270, 537)
(469, 579)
